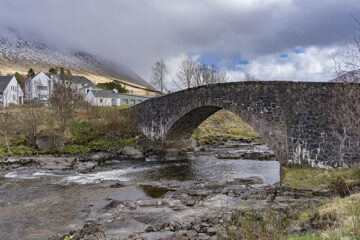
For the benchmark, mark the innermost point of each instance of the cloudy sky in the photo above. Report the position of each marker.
(270, 39)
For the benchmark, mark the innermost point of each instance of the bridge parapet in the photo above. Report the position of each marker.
(291, 117)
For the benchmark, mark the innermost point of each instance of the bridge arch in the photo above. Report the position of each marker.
(289, 116)
(185, 126)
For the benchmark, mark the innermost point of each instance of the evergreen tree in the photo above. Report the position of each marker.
(53, 71)
(31, 72)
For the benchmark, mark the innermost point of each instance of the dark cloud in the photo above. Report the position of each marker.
(137, 32)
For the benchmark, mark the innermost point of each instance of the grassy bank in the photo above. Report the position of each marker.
(338, 218)
(319, 178)
(89, 129)
(224, 124)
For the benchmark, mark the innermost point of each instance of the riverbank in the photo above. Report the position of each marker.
(172, 197)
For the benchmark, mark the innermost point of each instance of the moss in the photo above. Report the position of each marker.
(318, 178)
(74, 149)
(127, 141)
(307, 215)
(22, 150)
(101, 144)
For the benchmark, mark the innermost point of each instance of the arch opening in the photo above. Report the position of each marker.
(271, 135)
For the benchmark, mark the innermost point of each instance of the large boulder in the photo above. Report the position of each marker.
(45, 142)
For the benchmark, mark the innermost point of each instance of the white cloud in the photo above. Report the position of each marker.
(315, 64)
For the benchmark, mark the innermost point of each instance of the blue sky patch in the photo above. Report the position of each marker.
(209, 58)
(299, 50)
(284, 55)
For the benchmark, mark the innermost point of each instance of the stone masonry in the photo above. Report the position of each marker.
(291, 117)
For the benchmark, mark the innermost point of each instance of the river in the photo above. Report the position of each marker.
(37, 203)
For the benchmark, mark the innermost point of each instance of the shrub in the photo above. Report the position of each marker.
(114, 122)
(339, 186)
(257, 224)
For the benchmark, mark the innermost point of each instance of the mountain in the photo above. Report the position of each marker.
(18, 55)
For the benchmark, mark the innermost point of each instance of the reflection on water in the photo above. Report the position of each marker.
(35, 204)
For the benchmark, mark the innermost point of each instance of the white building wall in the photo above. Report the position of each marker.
(38, 88)
(13, 94)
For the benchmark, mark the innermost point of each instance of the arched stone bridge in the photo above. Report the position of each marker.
(291, 117)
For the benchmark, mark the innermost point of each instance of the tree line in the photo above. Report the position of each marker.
(190, 74)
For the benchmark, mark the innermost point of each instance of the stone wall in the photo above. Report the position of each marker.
(291, 117)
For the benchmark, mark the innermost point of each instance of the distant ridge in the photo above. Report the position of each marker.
(15, 51)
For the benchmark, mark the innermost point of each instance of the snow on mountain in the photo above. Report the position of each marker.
(33, 54)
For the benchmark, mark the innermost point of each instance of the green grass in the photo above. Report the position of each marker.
(318, 178)
(101, 144)
(73, 149)
(127, 141)
(23, 150)
(224, 124)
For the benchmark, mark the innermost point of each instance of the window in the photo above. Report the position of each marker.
(101, 100)
(41, 88)
(124, 101)
(87, 90)
(13, 88)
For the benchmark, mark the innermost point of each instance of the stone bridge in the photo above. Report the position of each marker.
(291, 117)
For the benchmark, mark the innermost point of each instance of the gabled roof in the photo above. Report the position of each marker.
(4, 82)
(76, 79)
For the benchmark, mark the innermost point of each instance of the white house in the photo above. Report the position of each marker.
(113, 98)
(39, 87)
(10, 91)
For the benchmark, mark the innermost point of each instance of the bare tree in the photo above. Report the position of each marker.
(186, 73)
(159, 75)
(205, 74)
(194, 74)
(31, 119)
(64, 101)
(5, 125)
(345, 103)
(249, 77)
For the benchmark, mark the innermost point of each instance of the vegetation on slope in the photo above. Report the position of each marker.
(300, 177)
(91, 129)
(113, 85)
(224, 124)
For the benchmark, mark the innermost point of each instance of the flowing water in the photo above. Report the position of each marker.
(36, 203)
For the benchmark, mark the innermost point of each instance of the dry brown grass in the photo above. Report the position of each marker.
(224, 124)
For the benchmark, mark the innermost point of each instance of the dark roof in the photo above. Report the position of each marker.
(105, 94)
(4, 82)
(136, 95)
(76, 79)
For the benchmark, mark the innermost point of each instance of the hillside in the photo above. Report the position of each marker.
(18, 55)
